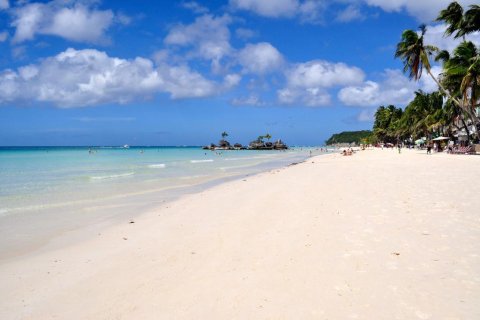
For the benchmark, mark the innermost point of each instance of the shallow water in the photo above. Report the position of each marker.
(47, 190)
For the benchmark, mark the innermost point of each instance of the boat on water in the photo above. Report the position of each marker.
(126, 146)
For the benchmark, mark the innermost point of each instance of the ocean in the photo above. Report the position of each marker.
(47, 190)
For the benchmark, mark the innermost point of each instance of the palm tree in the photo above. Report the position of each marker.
(224, 135)
(460, 23)
(472, 19)
(453, 17)
(267, 136)
(415, 55)
(462, 76)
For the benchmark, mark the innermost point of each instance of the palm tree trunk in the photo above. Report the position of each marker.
(459, 103)
(466, 129)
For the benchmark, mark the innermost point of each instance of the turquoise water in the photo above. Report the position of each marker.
(45, 192)
(52, 177)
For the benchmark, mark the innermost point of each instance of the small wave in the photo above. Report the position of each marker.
(157, 166)
(3, 211)
(245, 158)
(113, 176)
(194, 177)
(201, 161)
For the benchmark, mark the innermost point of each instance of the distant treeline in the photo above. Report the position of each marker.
(350, 137)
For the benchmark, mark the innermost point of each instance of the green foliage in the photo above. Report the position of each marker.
(385, 126)
(459, 81)
(350, 137)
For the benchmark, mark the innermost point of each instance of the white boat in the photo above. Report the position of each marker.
(126, 146)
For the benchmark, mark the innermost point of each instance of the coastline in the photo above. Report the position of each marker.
(332, 237)
(69, 225)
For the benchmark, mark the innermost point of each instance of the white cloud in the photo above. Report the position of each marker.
(244, 34)
(270, 8)
(312, 97)
(350, 13)
(311, 11)
(4, 4)
(395, 88)
(195, 7)
(320, 73)
(231, 80)
(260, 58)
(77, 22)
(427, 84)
(423, 10)
(307, 83)
(252, 100)
(208, 36)
(307, 10)
(3, 36)
(77, 78)
(435, 36)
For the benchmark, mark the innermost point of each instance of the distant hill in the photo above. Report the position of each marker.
(349, 137)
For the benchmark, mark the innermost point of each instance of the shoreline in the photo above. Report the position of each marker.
(81, 229)
(332, 237)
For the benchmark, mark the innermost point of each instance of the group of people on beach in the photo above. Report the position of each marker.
(347, 152)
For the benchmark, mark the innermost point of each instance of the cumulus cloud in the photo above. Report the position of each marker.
(195, 7)
(271, 8)
(251, 100)
(307, 83)
(74, 21)
(4, 4)
(311, 97)
(260, 58)
(320, 73)
(244, 34)
(76, 78)
(394, 88)
(423, 10)
(208, 37)
(307, 10)
(350, 13)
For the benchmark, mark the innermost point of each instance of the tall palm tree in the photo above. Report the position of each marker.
(460, 23)
(472, 19)
(268, 136)
(224, 134)
(415, 56)
(462, 76)
(453, 17)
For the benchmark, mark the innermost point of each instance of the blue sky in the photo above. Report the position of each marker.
(144, 72)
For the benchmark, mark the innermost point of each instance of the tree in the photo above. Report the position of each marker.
(453, 17)
(267, 136)
(460, 23)
(385, 126)
(462, 76)
(260, 138)
(224, 135)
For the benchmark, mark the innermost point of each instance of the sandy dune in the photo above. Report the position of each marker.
(378, 235)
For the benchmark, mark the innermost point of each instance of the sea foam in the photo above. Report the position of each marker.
(157, 166)
(113, 176)
(201, 161)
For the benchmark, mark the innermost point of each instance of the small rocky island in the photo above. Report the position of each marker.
(258, 144)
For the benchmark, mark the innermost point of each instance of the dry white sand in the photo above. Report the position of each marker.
(378, 235)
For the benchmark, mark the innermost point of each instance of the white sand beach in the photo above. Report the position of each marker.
(376, 235)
